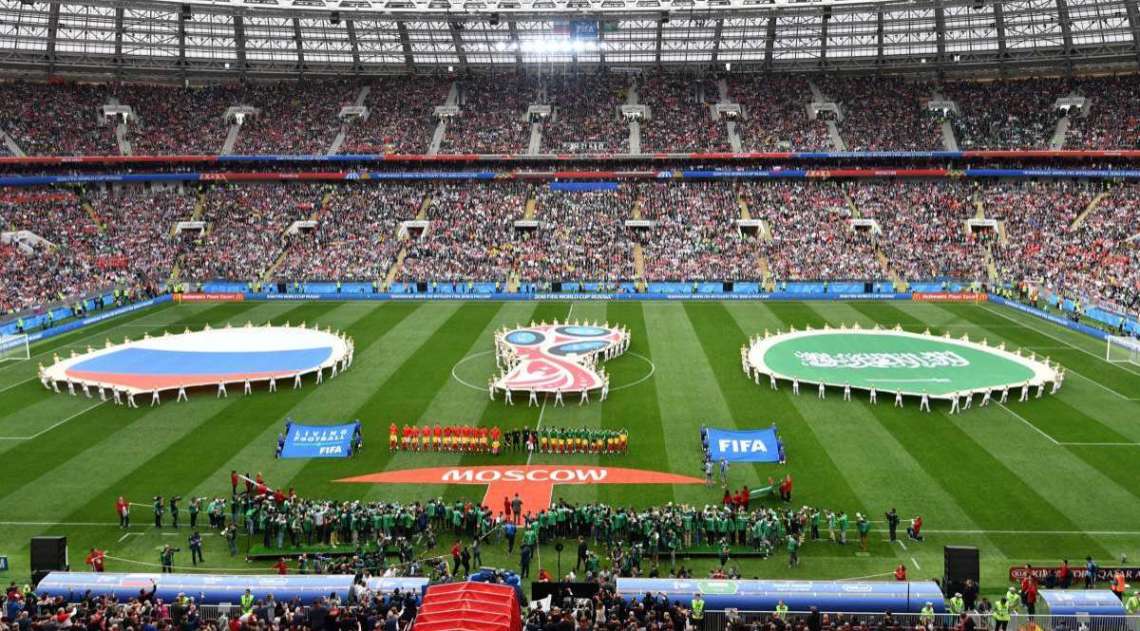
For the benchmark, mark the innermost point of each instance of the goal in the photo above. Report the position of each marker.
(14, 348)
(1122, 350)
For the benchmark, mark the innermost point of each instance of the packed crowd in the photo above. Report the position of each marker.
(76, 242)
(356, 234)
(246, 233)
(695, 235)
(775, 114)
(586, 117)
(1095, 258)
(401, 116)
(1110, 121)
(885, 114)
(924, 233)
(581, 237)
(811, 234)
(88, 243)
(492, 116)
(293, 117)
(681, 117)
(1005, 114)
(471, 234)
(66, 118)
(177, 121)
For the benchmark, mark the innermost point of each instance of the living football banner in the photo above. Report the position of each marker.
(758, 445)
(319, 441)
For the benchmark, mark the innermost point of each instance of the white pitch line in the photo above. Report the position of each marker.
(18, 383)
(915, 562)
(41, 433)
(1101, 444)
(900, 542)
(128, 534)
(1035, 428)
(1050, 335)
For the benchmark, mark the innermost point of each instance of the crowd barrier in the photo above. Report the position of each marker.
(872, 597)
(720, 619)
(353, 176)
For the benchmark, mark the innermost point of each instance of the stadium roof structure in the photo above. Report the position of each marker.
(222, 38)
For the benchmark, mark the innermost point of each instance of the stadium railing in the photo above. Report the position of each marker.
(722, 619)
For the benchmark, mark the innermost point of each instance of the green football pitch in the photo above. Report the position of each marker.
(1033, 482)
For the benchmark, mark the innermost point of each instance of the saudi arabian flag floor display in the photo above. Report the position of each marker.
(893, 360)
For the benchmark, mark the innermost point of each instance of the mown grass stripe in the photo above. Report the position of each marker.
(28, 461)
(366, 327)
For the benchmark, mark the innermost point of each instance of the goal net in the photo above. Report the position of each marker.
(1122, 350)
(14, 348)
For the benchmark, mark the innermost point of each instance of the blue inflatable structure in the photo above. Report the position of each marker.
(213, 589)
(846, 596)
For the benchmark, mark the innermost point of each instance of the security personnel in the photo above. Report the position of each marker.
(1013, 599)
(698, 608)
(781, 611)
(1001, 615)
(246, 602)
(159, 509)
(1118, 585)
(957, 604)
(926, 615)
(1132, 605)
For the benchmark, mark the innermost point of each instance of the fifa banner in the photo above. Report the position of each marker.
(758, 445)
(320, 441)
(947, 296)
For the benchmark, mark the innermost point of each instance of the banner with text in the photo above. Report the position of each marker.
(758, 445)
(320, 441)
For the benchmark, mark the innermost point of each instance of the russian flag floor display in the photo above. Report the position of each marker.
(206, 358)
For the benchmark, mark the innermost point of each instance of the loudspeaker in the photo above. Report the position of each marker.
(556, 287)
(49, 553)
(961, 564)
(726, 286)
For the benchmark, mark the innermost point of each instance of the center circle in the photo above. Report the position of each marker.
(483, 388)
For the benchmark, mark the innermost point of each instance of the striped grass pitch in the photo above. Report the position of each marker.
(1054, 478)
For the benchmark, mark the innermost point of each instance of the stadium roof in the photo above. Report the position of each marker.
(219, 38)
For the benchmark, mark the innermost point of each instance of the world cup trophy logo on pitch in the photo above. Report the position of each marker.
(555, 359)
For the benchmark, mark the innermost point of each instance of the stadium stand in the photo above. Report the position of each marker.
(682, 120)
(586, 118)
(492, 116)
(775, 114)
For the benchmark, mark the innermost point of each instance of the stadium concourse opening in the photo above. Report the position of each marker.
(895, 362)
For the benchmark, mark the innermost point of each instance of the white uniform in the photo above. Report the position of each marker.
(796, 387)
(846, 392)
(953, 403)
(558, 398)
(533, 400)
(924, 404)
(182, 395)
(822, 390)
(772, 381)
(1024, 392)
(898, 398)
(222, 391)
(985, 399)
(874, 395)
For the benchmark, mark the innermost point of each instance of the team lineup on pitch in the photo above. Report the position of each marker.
(422, 364)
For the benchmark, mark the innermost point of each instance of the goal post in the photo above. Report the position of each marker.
(14, 348)
(1122, 350)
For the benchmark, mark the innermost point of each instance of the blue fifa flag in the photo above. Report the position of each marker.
(757, 445)
(321, 441)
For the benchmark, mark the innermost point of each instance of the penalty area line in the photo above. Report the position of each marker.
(57, 424)
(1035, 428)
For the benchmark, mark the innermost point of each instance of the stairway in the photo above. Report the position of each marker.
(979, 208)
(1088, 210)
(743, 206)
(767, 283)
(635, 213)
(836, 140)
(121, 133)
(1057, 142)
(991, 267)
(437, 137)
(896, 280)
(338, 141)
(98, 221)
(734, 141)
(11, 145)
(949, 141)
(394, 270)
(231, 138)
(638, 262)
(534, 147)
(855, 214)
(531, 207)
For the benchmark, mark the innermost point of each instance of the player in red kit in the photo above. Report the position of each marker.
(123, 510)
(393, 437)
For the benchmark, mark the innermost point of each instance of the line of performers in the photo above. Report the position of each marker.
(453, 438)
(492, 440)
